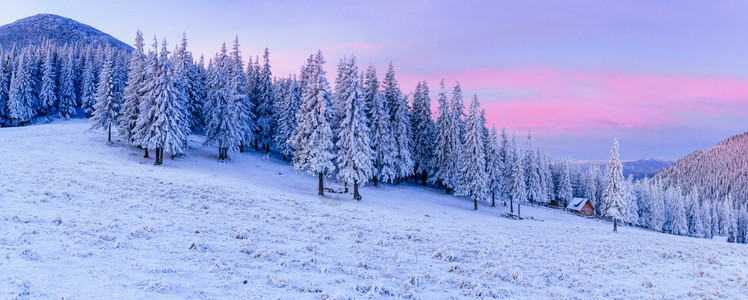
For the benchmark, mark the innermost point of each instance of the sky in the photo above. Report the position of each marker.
(663, 77)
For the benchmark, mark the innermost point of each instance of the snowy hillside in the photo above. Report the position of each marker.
(36, 29)
(83, 219)
(718, 171)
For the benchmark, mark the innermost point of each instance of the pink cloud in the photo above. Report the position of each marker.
(576, 102)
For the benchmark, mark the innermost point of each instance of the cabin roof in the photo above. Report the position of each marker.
(576, 204)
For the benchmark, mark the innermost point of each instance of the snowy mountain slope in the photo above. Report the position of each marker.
(82, 219)
(36, 29)
(717, 171)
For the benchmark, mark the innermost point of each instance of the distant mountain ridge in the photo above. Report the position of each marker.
(638, 168)
(59, 30)
(717, 172)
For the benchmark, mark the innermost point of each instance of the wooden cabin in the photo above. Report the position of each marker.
(581, 207)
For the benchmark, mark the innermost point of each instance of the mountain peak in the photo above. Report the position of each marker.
(59, 30)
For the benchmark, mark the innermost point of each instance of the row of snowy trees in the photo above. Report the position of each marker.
(652, 204)
(361, 130)
(54, 81)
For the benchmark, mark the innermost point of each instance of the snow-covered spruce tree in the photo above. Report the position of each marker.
(532, 172)
(265, 100)
(458, 110)
(285, 108)
(21, 97)
(88, 86)
(693, 213)
(134, 91)
(190, 76)
(169, 127)
(546, 177)
(657, 213)
(400, 125)
(494, 165)
(706, 219)
(423, 131)
(354, 154)
(337, 103)
(472, 159)
(108, 99)
(591, 192)
(312, 139)
(565, 191)
(6, 70)
(381, 138)
(729, 220)
(447, 147)
(48, 93)
(66, 92)
(631, 214)
(613, 197)
(222, 120)
(517, 190)
(505, 154)
(238, 85)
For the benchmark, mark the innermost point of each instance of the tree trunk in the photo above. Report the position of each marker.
(423, 178)
(158, 156)
(241, 147)
(321, 189)
(110, 134)
(345, 185)
(257, 143)
(355, 191)
(475, 202)
(615, 225)
(447, 190)
(493, 199)
(519, 205)
(511, 206)
(374, 179)
(146, 153)
(267, 148)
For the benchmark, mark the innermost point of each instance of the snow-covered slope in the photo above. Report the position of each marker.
(37, 29)
(718, 171)
(82, 219)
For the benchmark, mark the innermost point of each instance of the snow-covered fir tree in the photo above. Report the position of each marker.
(613, 194)
(48, 92)
(400, 125)
(382, 139)
(517, 189)
(286, 105)
(565, 191)
(312, 139)
(222, 120)
(472, 160)
(706, 218)
(108, 99)
(448, 146)
(729, 220)
(22, 96)
(88, 86)
(169, 128)
(591, 192)
(532, 172)
(134, 91)
(494, 165)
(354, 154)
(6, 71)
(423, 132)
(505, 154)
(265, 100)
(237, 87)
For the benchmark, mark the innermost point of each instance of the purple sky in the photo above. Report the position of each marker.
(664, 77)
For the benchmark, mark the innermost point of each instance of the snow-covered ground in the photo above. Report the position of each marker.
(82, 219)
